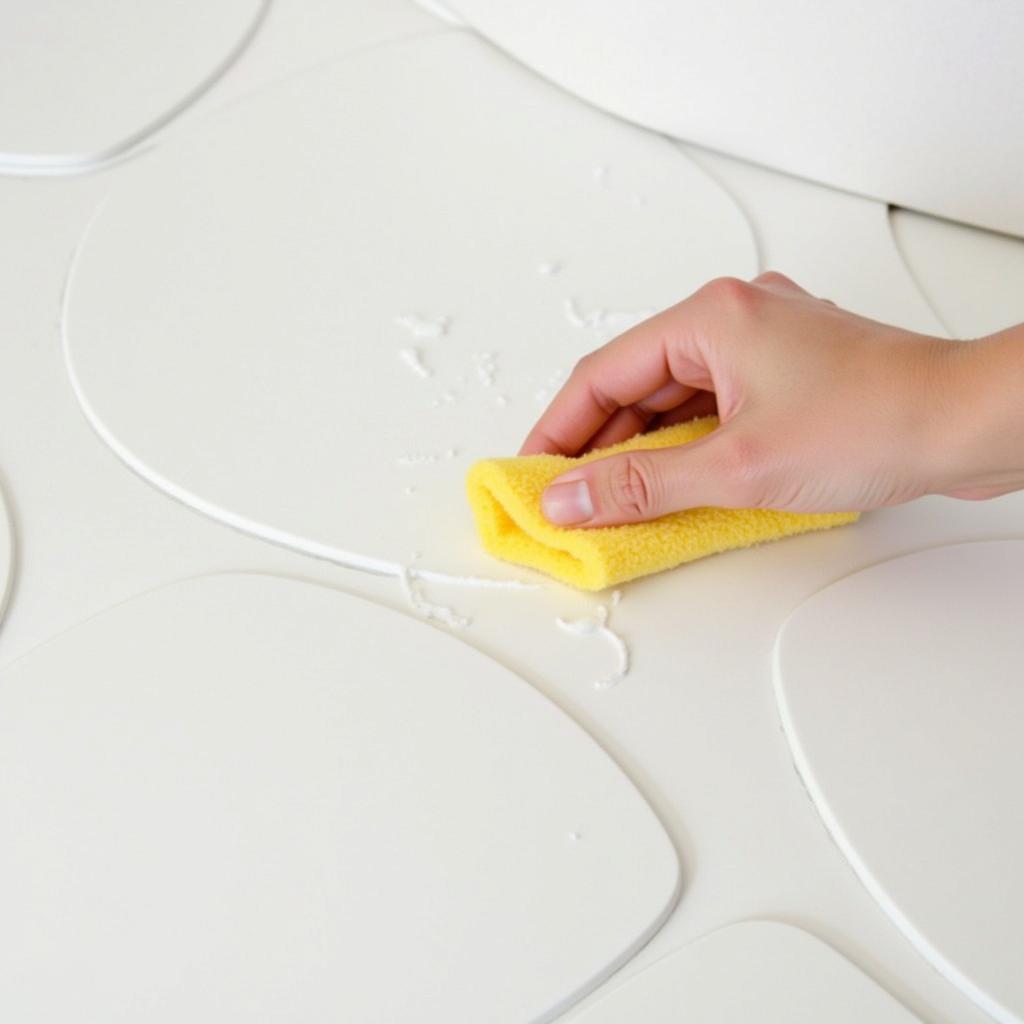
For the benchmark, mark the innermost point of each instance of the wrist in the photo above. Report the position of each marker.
(978, 442)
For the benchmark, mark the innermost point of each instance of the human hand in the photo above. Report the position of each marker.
(820, 410)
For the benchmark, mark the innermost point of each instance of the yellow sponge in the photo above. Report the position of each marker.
(505, 498)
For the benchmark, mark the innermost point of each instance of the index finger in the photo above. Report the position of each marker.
(628, 370)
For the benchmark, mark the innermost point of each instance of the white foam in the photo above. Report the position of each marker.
(598, 624)
(548, 268)
(551, 385)
(434, 612)
(445, 398)
(413, 358)
(603, 319)
(416, 459)
(485, 368)
(424, 326)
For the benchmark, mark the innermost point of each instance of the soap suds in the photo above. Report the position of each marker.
(573, 837)
(283, 538)
(598, 624)
(477, 582)
(548, 268)
(413, 358)
(425, 458)
(445, 398)
(603, 318)
(485, 368)
(434, 612)
(424, 326)
(551, 385)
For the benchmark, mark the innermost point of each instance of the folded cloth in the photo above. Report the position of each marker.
(505, 498)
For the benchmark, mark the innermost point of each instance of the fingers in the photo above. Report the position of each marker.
(655, 367)
(721, 469)
(664, 352)
(629, 369)
(637, 417)
(703, 403)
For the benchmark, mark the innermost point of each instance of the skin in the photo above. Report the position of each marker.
(820, 411)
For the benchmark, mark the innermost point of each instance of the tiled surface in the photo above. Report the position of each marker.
(83, 84)
(694, 725)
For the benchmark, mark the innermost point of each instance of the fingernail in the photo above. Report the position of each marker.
(568, 503)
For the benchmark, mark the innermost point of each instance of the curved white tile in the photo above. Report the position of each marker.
(299, 34)
(84, 82)
(900, 694)
(312, 339)
(974, 279)
(754, 970)
(243, 795)
(916, 103)
(835, 244)
(6, 555)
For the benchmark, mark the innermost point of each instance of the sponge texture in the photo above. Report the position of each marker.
(505, 497)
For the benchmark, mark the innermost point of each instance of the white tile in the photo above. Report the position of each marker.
(836, 245)
(754, 970)
(244, 795)
(7, 556)
(899, 689)
(82, 83)
(974, 279)
(243, 313)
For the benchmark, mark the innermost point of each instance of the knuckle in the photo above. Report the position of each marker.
(731, 293)
(582, 365)
(774, 277)
(633, 486)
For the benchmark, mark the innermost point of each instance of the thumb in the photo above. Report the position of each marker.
(720, 469)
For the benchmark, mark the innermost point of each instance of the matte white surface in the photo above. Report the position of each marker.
(89, 532)
(752, 971)
(900, 693)
(697, 704)
(917, 103)
(832, 243)
(299, 34)
(82, 82)
(232, 321)
(248, 795)
(974, 279)
(6, 555)
(694, 724)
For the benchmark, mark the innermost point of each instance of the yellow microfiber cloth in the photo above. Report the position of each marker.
(505, 498)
